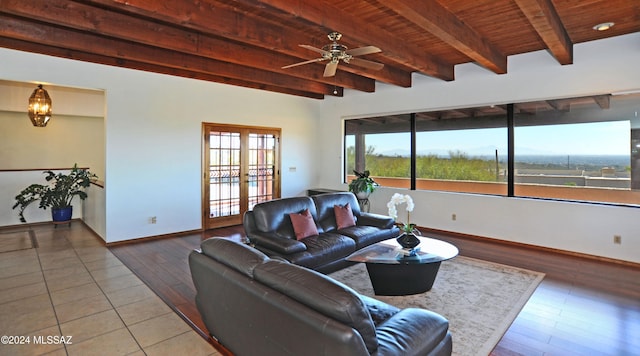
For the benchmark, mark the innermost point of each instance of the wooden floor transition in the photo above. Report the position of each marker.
(584, 306)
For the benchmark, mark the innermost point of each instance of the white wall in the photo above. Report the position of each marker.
(75, 135)
(68, 101)
(65, 140)
(153, 137)
(93, 210)
(604, 66)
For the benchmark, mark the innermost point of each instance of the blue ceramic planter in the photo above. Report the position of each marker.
(62, 214)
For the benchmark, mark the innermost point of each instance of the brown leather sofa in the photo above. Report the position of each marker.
(255, 305)
(269, 228)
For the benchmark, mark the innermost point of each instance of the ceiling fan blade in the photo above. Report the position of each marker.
(311, 48)
(366, 64)
(330, 69)
(363, 50)
(301, 63)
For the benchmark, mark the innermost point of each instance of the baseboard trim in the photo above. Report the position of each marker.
(154, 237)
(29, 225)
(495, 240)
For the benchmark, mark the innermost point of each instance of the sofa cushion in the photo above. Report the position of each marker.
(273, 215)
(322, 249)
(303, 224)
(242, 258)
(324, 203)
(344, 216)
(322, 294)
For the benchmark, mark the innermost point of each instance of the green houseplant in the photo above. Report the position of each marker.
(58, 194)
(362, 185)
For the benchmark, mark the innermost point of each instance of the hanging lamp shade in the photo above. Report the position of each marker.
(39, 107)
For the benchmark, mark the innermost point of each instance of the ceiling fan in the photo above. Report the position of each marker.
(334, 52)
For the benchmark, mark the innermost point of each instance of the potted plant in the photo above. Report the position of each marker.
(407, 239)
(362, 185)
(58, 194)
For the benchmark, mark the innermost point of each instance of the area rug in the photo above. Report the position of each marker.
(19, 240)
(480, 299)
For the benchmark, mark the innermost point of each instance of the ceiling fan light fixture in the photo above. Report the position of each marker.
(603, 26)
(334, 36)
(39, 107)
(336, 52)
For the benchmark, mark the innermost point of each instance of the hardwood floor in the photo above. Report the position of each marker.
(583, 306)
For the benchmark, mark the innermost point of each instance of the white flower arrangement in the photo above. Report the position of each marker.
(392, 205)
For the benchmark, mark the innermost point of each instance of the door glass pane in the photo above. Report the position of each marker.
(224, 174)
(261, 168)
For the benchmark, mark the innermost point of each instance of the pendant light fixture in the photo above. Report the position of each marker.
(39, 107)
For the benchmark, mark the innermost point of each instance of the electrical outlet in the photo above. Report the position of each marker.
(617, 239)
(453, 217)
(153, 220)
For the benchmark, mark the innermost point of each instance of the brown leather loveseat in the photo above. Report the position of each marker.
(255, 305)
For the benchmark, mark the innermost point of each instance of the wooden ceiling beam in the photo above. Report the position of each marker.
(427, 116)
(559, 105)
(603, 101)
(36, 32)
(248, 29)
(545, 20)
(334, 19)
(437, 20)
(95, 20)
(248, 41)
(116, 62)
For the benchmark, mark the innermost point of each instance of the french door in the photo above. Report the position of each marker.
(241, 168)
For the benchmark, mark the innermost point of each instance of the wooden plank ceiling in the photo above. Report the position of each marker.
(246, 43)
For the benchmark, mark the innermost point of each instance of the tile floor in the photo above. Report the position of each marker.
(61, 282)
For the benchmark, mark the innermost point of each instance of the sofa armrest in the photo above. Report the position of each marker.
(411, 331)
(379, 310)
(273, 242)
(377, 220)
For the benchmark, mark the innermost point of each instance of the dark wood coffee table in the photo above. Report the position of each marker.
(392, 273)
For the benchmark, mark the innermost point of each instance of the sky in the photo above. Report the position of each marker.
(601, 138)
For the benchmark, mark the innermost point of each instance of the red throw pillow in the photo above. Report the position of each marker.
(344, 216)
(303, 224)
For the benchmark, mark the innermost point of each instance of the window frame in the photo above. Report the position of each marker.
(510, 112)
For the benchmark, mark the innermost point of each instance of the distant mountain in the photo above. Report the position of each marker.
(394, 153)
(483, 151)
(525, 155)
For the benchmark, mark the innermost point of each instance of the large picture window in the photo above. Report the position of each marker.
(382, 146)
(578, 149)
(462, 160)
